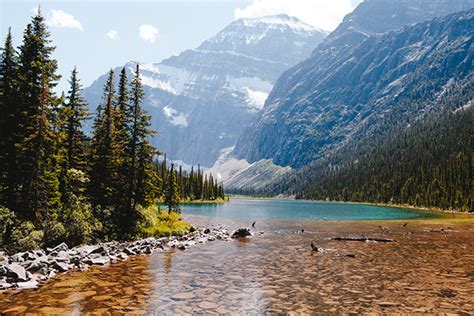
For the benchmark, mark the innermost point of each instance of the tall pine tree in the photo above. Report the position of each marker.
(103, 173)
(141, 178)
(74, 142)
(38, 179)
(171, 192)
(8, 108)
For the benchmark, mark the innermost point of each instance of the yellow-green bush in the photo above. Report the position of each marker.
(158, 223)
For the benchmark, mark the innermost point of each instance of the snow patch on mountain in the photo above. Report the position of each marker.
(256, 99)
(168, 78)
(155, 83)
(254, 83)
(280, 21)
(175, 118)
(150, 67)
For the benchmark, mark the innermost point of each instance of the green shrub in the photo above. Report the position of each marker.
(158, 223)
(104, 215)
(7, 222)
(79, 222)
(54, 233)
(149, 215)
(25, 237)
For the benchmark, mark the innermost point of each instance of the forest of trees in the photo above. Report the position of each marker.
(57, 183)
(190, 186)
(429, 164)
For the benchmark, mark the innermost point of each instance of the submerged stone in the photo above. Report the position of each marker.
(242, 232)
(31, 284)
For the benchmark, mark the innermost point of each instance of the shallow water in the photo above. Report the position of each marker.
(257, 209)
(276, 272)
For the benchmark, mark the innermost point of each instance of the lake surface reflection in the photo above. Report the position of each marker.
(274, 209)
(276, 272)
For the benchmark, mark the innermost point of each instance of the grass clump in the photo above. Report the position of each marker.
(160, 223)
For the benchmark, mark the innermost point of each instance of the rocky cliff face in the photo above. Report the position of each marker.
(363, 79)
(202, 99)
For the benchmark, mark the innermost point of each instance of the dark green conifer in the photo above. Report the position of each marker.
(9, 110)
(171, 193)
(38, 179)
(103, 172)
(74, 143)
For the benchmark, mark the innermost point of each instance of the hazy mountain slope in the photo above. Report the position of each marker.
(238, 176)
(358, 79)
(202, 99)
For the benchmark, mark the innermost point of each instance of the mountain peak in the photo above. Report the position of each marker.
(247, 34)
(279, 21)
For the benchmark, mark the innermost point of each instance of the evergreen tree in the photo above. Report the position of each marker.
(171, 193)
(74, 143)
(141, 181)
(74, 113)
(122, 139)
(121, 119)
(103, 173)
(38, 179)
(8, 108)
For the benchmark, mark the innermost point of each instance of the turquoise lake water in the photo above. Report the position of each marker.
(253, 209)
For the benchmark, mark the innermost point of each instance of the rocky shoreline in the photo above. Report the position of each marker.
(26, 270)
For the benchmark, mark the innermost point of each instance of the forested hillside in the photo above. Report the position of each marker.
(430, 165)
(427, 163)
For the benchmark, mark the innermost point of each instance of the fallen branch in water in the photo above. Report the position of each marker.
(323, 250)
(364, 239)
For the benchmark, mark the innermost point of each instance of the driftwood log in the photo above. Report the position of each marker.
(363, 238)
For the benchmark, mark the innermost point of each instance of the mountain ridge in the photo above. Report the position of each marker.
(201, 99)
(315, 105)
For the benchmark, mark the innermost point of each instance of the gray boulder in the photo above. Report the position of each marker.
(62, 256)
(99, 261)
(100, 250)
(35, 265)
(18, 257)
(3, 270)
(5, 285)
(16, 272)
(61, 266)
(29, 255)
(129, 251)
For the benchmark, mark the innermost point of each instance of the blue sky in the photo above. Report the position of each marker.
(98, 35)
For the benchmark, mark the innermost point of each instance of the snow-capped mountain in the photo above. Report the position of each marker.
(202, 99)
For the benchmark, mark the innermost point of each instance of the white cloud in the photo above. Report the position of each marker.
(325, 14)
(113, 35)
(148, 33)
(59, 18)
